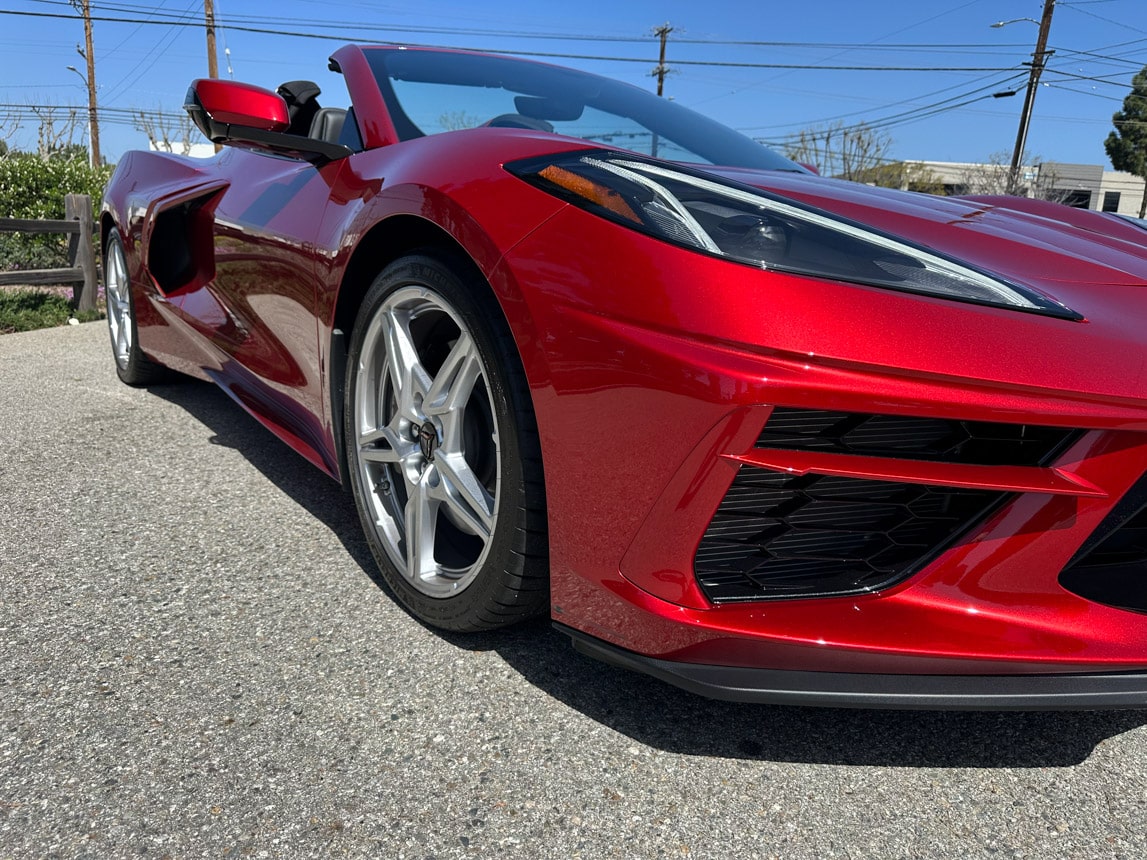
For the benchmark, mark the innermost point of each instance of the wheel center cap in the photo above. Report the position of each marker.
(427, 440)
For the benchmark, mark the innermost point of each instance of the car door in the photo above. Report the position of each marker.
(257, 313)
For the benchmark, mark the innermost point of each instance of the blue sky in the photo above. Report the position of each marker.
(1099, 46)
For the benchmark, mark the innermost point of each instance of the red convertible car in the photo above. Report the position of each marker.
(576, 349)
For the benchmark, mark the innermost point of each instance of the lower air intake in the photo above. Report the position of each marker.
(778, 535)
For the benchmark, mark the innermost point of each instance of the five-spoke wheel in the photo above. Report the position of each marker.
(131, 364)
(442, 449)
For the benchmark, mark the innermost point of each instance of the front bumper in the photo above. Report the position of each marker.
(653, 385)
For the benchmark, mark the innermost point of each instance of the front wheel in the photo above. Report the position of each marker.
(132, 366)
(443, 451)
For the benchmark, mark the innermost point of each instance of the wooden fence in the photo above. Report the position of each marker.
(81, 272)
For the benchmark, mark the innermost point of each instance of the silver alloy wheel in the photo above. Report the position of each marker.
(427, 447)
(118, 292)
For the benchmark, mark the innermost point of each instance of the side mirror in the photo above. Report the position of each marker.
(251, 117)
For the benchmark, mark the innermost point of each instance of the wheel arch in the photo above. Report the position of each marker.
(387, 240)
(107, 224)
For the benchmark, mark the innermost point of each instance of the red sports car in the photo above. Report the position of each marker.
(577, 349)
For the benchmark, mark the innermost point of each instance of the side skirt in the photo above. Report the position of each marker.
(336, 375)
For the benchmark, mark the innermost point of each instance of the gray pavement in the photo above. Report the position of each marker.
(196, 662)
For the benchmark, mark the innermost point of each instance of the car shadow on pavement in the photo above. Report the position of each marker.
(669, 719)
(661, 716)
(310, 488)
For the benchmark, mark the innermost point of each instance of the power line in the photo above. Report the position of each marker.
(912, 100)
(995, 48)
(1101, 79)
(548, 54)
(1055, 86)
(159, 46)
(174, 21)
(1125, 26)
(924, 111)
(1065, 53)
(120, 117)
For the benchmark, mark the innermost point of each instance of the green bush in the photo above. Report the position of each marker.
(31, 187)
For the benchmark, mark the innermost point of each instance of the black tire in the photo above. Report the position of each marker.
(132, 366)
(442, 449)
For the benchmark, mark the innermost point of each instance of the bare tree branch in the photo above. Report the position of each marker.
(844, 152)
(10, 121)
(56, 134)
(165, 135)
(457, 119)
(995, 177)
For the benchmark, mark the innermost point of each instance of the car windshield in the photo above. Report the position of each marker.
(429, 92)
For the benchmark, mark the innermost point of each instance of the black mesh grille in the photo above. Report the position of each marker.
(778, 535)
(1111, 566)
(904, 437)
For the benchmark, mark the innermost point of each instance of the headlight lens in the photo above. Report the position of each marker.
(740, 223)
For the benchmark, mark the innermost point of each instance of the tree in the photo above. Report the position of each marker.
(458, 119)
(905, 175)
(1035, 179)
(163, 135)
(53, 140)
(9, 125)
(844, 152)
(1127, 145)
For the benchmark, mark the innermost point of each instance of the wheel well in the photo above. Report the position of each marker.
(107, 224)
(384, 243)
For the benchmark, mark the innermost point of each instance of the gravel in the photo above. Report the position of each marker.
(199, 662)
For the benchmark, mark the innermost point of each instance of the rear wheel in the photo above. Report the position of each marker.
(132, 366)
(443, 450)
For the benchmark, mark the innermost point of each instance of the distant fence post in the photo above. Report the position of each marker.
(81, 251)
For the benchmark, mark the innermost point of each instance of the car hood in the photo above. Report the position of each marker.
(1031, 241)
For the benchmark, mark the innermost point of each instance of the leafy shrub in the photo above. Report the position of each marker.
(31, 187)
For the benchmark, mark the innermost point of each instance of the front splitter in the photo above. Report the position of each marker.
(855, 690)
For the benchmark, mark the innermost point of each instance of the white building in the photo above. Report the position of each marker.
(196, 150)
(1085, 186)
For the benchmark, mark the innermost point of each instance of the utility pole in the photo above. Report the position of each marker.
(209, 16)
(662, 70)
(212, 59)
(1039, 60)
(84, 7)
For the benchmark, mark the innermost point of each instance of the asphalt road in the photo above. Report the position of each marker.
(196, 662)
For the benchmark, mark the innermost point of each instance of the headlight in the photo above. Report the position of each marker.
(753, 227)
